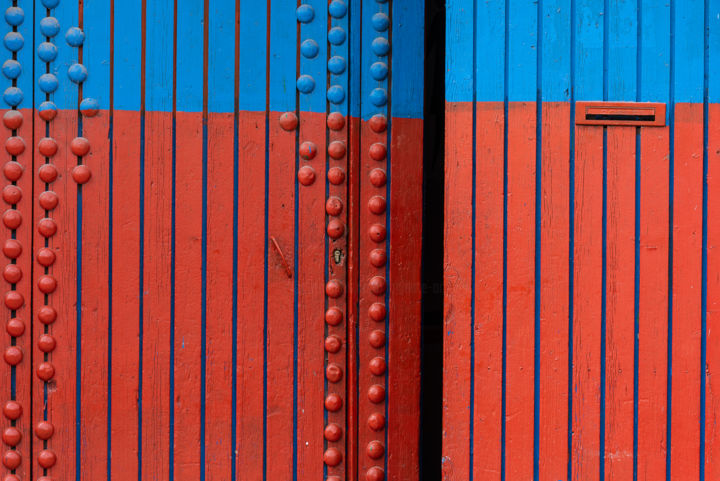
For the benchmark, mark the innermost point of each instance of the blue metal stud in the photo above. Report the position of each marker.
(337, 9)
(89, 105)
(74, 37)
(305, 84)
(378, 97)
(305, 13)
(380, 46)
(47, 105)
(50, 3)
(11, 69)
(309, 48)
(380, 22)
(13, 41)
(13, 96)
(14, 16)
(47, 52)
(77, 73)
(336, 65)
(49, 26)
(336, 94)
(48, 83)
(379, 70)
(336, 36)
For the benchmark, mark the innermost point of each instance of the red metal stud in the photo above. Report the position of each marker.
(48, 173)
(335, 121)
(377, 311)
(333, 372)
(48, 114)
(15, 145)
(377, 204)
(45, 371)
(12, 171)
(12, 218)
(46, 343)
(306, 175)
(333, 344)
(333, 432)
(336, 149)
(81, 174)
(375, 473)
(378, 177)
(47, 458)
(336, 176)
(47, 147)
(48, 200)
(45, 256)
(333, 402)
(377, 339)
(15, 327)
(335, 229)
(377, 233)
(13, 119)
(12, 194)
(378, 366)
(378, 151)
(12, 410)
(375, 450)
(47, 314)
(44, 430)
(329, 478)
(376, 393)
(79, 146)
(334, 288)
(377, 285)
(288, 121)
(378, 123)
(12, 436)
(12, 273)
(332, 457)
(12, 459)
(378, 257)
(334, 316)
(14, 300)
(308, 150)
(47, 284)
(333, 206)
(12, 477)
(13, 355)
(47, 227)
(12, 248)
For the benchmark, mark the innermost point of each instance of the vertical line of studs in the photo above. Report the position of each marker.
(336, 244)
(47, 227)
(12, 219)
(376, 288)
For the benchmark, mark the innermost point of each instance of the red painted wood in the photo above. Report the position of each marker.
(587, 302)
(405, 299)
(686, 276)
(554, 285)
(251, 268)
(156, 295)
(280, 301)
(458, 261)
(311, 237)
(712, 402)
(219, 341)
(619, 292)
(95, 307)
(652, 355)
(520, 290)
(125, 295)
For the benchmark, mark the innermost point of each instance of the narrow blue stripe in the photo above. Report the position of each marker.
(671, 201)
(111, 199)
(703, 310)
(538, 236)
(236, 202)
(265, 292)
(203, 301)
(471, 448)
(141, 293)
(173, 237)
(603, 295)
(571, 235)
(506, 74)
(636, 280)
(78, 325)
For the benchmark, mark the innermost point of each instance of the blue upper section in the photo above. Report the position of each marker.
(127, 55)
(96, 51)
(407, 64)
(221, 56)
(159, 56)
(189, 89)
(316, 31)
(622, 54)
(283, 60)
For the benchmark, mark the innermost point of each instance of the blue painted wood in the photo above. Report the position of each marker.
(283, 62)
(159, 56)
(126, 55)
(189, 89)
(221, 56)
(556, 51)
(407, 66)
(96, 52)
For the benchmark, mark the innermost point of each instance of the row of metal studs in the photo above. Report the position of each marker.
(377, 207)
(12, 219)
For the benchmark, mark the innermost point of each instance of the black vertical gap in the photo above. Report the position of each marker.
(432, 242)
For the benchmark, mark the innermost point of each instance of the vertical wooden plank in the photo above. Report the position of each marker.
(95, 244)
(252, 245)
(457, 431)
(126, 241)
(156, 216)
(280, 209)
(220, 184)
(654, 239)
(686, 221)
(188, 245)
(619, 355)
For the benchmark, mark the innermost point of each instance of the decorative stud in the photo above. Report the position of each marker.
(47, 458)
(13, 355)
(15, 145)
(13, 96)
(377, 311)
(333, 344)
(12, 410)
(380, 46)
(379, 71)
(375, 450)
(47, 284)
(12, 218)
(48, 83)
(377, 205)
(376, 393)
(48, 173)
(12, 248)
(77, 73)
(12, 477)
(377, 285)
(48, 200)
(378, 151)
(81, 174)
(12, 436)
(333, 402)
(333, 432)
(288, 121)
(50, 4)
(12, 273)
(333, 372)
(47, 147)
(336, 176)
(45, 256)
(13, 41)
(380, 22)
(15, 327)
(335, 121)
(336, 36)
(89, 107)
(378, 97)
(378, 366)
(47, 111)
(334, 289)
(333, 206)
(337, 9)
(11, 69)
(378, 257)
(334, 316)
(44, 430)
(45, 371)
(47, 314)
(12, 459)
(47, 227)
(305, 13)
(49, 26)
(47, 52)
(335, 229)
(74, 37)
(377, 339)
(308, 150)
(79, 146)
(306, 175)
(332, 457)
(305, 84)
(378, 177)
(337, 149)
(14, 16)
(336, 94)
(375, 473)
(14, 300)
(309, 48)
(13, 171)
(46, 343)
(13, 119)
(336, 65)
(12, 194)
(377, 233)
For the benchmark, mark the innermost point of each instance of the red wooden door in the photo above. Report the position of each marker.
(212, 239)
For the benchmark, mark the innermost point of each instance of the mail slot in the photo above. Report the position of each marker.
(620, 113)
